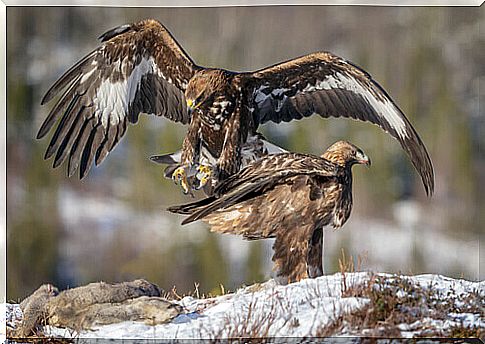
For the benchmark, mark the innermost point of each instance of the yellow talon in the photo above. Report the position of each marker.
(179, 177)
(204, 169)
(178, 174)
(204, 174)
(203, 181)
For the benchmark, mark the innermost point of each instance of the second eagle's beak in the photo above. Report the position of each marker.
(363, 159)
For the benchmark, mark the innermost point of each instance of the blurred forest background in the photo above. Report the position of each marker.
(113, 226)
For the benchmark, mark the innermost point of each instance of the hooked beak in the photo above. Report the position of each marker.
(191, 106)
(190, 103)
(363, 159)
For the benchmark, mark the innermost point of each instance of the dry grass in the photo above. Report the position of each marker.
(462, 331)
(173, 294)
(346, 266)
(396, 300)
(250, 323)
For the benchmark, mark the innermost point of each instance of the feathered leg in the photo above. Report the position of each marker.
(230, 158)
(315, 262)
(291, 252)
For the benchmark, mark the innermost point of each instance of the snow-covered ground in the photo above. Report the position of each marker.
(311, 307)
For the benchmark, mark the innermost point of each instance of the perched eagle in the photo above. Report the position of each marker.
(289, 196)
(140, 68)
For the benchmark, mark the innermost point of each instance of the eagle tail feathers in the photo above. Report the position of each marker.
(167, 159)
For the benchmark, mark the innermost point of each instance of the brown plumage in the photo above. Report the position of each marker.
(291, 197)
(140, 68)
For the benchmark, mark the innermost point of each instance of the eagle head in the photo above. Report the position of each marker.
(346, 154)
(205, 85)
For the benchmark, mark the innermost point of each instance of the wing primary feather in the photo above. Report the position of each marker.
(68, 139)
(102, 151)
(58, 109)
(67, 77)
(106, 145)
(114, 134)
(79, 144)
(64, 126)
(92, 145)
(119, 133)
(167, 159)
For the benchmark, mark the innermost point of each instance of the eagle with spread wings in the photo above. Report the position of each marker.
(289, 196)
(140, 68)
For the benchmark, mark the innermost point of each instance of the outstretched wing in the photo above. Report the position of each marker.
(139, 68)
(327, 85)
(256, 179)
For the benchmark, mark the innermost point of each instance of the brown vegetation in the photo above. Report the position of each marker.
(396, 300)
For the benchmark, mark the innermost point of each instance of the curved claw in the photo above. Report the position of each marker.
(180, 177)
(204, 174)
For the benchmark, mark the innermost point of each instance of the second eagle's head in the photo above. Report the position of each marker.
(205, 85)
(346, 154)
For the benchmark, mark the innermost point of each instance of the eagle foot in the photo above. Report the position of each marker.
(179, 176)
(204, 174)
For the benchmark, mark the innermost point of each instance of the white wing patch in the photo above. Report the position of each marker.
(87, 75)
(384, 108)
(145, 67)
(113, 98)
